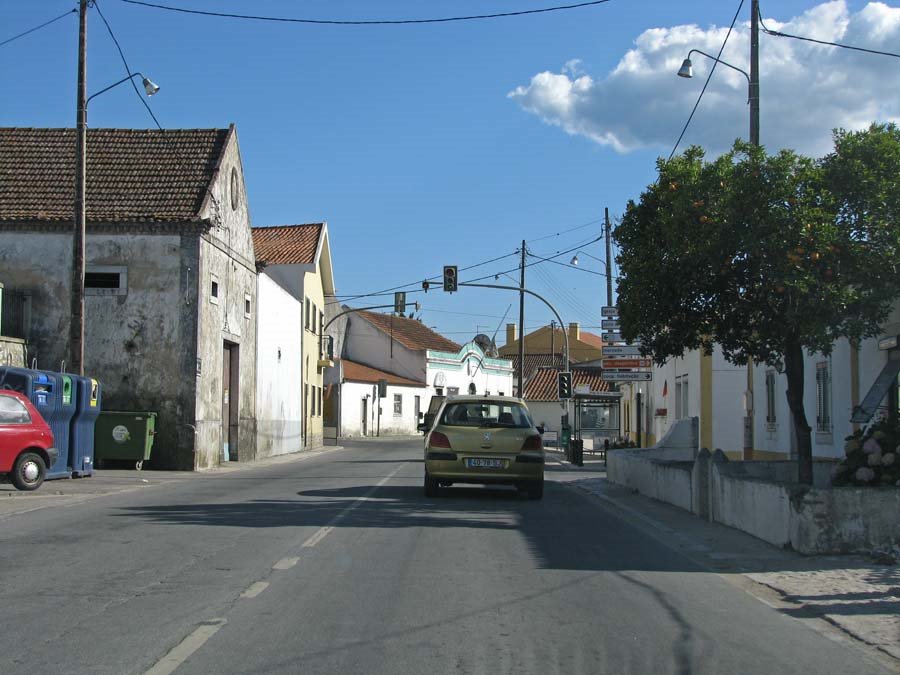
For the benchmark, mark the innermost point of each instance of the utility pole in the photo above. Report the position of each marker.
(754, 140)
(76, 325)
(553, 343)
(521, 369)
(609, 300)
(638, 409)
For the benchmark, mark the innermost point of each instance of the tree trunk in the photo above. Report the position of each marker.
(793, 366)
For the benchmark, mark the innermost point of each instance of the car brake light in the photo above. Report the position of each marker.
(439, 440)
(533, 443)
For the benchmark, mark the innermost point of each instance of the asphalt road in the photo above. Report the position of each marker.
(338, 564)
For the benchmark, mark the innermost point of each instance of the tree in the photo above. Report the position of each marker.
(764, 255)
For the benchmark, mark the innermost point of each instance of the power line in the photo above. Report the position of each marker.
(31, 30)
(571, 267)
(367, 22)
(777, 33)
(708, 78)
(571, 229)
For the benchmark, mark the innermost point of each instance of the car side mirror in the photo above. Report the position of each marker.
(540, 429)
(422, 427)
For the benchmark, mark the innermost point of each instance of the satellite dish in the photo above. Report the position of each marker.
(487, 345)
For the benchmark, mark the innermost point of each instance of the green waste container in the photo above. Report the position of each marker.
(124, 436)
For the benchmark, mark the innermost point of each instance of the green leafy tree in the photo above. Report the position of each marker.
(764, 255)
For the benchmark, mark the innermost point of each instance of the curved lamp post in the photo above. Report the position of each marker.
(76, 327)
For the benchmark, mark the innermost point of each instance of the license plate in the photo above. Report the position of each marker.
(482, 463)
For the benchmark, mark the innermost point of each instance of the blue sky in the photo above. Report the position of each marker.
(448, 144)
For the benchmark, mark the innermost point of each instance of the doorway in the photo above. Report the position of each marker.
(230, 401)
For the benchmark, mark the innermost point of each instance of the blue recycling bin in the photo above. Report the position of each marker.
(81, 433)
(46, 391)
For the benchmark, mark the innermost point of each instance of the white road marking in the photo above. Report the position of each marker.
(183, 651)
(255, 589)
(323, 532)
(285, 563)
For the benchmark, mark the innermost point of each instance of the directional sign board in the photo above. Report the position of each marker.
(609, 311)
(628, 376)
(610, 324)
(612, 337)
(626, 363)
(621, 350)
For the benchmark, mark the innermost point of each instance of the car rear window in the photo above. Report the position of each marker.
(12, 411)
(486, 414)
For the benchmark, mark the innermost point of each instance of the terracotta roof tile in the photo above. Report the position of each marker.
(411, 333)
(543, 386)
(533, 362)
(287, 244)
(133, 174)
(591, 339)
(358, 372)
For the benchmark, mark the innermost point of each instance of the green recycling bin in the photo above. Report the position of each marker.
(124, 437)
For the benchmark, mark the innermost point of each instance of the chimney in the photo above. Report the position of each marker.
(574, 331)
(511, 330)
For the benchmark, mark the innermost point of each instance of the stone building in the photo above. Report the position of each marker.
(170, 288)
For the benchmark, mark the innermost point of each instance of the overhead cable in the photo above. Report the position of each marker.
(365, 22)
(31, 30)
(778, 33)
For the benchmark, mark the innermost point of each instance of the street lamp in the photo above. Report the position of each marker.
(76, 327)
(687, 68)
(574, 260)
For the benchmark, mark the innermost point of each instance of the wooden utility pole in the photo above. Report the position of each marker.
(609, 300)
(521, 369)
(76, 326)
(754, 140)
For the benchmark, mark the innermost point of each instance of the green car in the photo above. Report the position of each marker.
(484, 439)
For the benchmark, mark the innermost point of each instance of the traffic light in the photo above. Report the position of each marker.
(564, 385)
(399, 302)
(426, 285)
(450, 280)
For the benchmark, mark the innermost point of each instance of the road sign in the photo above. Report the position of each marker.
(609, 311)
(450, 278)
(612, 337)
(610, 324)
(888, 343)
(629, 376)
(626, 363)
(621, 350)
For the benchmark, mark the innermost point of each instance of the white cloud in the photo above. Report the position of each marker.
(806, 90)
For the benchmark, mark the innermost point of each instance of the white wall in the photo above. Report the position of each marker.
(352, 395)
(279, 392)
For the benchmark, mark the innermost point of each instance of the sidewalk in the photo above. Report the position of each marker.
(853, 593)
(66, 492)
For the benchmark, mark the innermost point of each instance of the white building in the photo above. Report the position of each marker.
(834, 386)
(426, 362)
(295, 279)
(695, 385)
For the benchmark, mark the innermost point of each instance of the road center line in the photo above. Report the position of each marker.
(323, 532)
(285, 563)
(183, 651)
(255, 589)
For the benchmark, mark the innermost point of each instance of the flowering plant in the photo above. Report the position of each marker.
(870, 457)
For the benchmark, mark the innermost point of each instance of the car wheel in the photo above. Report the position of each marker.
(431, 486)
(29, 471)
(535, 490)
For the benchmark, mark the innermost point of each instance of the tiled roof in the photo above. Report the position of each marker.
(533, 362)
(411, 333)
(358, 372)
(132, 174)
(591, 339)
(543, 386)
(287, 244)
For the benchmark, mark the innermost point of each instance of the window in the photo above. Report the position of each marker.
(823, 396)
(105, 280)
(438, 391)
(417, 403)
(321, 400)
(452, 391)
(247, 305)
(306, 320)
(398, 404)
(770, 399)
(472, 389)
(682, 408)
(500, 393)
(321, 323)
(478, 414)
(214, 290)
(13, 411)
(312, 319)
(306, 405)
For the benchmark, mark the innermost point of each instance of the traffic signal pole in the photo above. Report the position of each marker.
(521, 370)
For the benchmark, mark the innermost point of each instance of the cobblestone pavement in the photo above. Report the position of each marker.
(852, 593)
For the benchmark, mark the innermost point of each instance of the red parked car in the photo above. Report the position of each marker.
(26, 442)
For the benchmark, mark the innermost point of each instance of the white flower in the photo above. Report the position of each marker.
(871, 446)
(875, 459)
(888, 459)
(864, 474)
